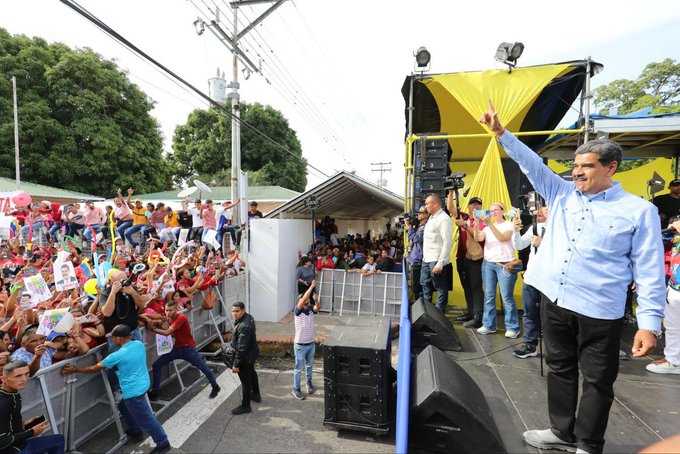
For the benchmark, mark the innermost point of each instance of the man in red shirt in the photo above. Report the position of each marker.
(183, 348)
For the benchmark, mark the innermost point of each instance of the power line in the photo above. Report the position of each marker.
(381, 182)
(115, 35)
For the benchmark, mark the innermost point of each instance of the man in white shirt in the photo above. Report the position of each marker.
(437, 244)
(196, 222)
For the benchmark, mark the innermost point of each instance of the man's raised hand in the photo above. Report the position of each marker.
(490, 119)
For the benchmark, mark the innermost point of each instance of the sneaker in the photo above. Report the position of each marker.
(662, 366)
(215, 391)
(240, 410)
(473, 323)
(511, 334)
(525, 352)
(310, 388)
(546, 439)
(298, 394)
(485, 330)
(161, 449)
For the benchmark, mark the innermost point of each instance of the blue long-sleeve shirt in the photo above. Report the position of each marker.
(594, 246)
(415, 258)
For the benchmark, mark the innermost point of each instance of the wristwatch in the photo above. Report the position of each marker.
(658, 334)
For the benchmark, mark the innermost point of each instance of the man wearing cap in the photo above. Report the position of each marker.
(139, 219)
(40, 352)
(224, 223)
(469, 258)
(130, 365)
(668, 204)
(415, 257)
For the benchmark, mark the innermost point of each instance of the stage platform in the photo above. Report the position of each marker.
(645, 410)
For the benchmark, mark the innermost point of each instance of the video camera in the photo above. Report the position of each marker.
(454, 181)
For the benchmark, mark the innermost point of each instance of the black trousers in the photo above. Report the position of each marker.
(249, 382)
(416, 288)
(470, 273)
(571, 341)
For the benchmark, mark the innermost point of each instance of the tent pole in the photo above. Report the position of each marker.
(407, 200)
(586, 102)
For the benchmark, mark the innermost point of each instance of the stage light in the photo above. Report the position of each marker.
(509, 53)
(422, 59)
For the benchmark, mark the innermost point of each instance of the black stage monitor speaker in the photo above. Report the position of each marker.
(357, 374)
(448, 411)
(430, 327)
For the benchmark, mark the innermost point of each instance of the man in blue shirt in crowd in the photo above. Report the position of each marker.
(130, 363)
(598, 240)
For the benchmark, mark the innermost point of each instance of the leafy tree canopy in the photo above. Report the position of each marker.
(83, 125)
(202, 148)
(658, 87)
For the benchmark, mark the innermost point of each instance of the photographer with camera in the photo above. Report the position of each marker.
(415, 257)
(122, 304)
(437, 244)
(531, 298)
(469, 258)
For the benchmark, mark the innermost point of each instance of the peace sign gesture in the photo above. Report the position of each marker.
(490, 119)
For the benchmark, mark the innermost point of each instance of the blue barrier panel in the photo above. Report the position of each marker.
(403, 369)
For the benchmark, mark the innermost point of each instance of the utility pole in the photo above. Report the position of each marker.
(232, 43)
(381, 182)
(16, 132)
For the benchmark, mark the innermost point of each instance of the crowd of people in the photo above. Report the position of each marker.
(99, 299)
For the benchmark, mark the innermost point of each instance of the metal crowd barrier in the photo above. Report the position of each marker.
(80, 406)
(378, 294)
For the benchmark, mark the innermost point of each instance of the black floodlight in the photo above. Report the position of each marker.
(422, 59)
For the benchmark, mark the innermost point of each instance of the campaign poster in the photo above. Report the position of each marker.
(64, 275)
(163, 344)
(37, 288)
(50, 319)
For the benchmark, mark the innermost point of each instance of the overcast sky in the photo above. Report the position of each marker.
(335, 69)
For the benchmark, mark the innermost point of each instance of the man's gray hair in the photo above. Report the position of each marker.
(435, 197)
(607, 151)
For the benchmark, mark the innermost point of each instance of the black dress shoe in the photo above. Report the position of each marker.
(240, 410)
(161, 449)
(256, 398)
(473, 323)
(463, 318)
(215, 391)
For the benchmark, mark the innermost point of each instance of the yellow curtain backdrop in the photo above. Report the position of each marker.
(461, 99)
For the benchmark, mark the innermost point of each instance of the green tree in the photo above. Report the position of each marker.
(657, 87)
(202, 148)
(83, 125)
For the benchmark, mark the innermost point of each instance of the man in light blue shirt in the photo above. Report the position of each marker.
(598, 240)
(130, 363)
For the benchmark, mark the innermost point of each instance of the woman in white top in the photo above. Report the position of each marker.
(498, 250)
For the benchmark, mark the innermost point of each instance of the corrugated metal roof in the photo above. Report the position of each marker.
(41, 192)
(344, 196)
(259, 193)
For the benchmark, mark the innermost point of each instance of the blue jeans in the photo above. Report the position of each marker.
(531, 300)
(131, 231)
(138, 415)
(45, 444)
(494, 274)
(56, 227)
(188, 354)
(135, 334)
(227, 228)
(146, 230)
(87, 233)
(430, 282)
(304, 355)
(122, 227)
(36, 228)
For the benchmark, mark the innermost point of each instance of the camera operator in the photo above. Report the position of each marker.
(437, 244)
(531, 298)
(415, 257)
(469, 258)
(122, 303)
